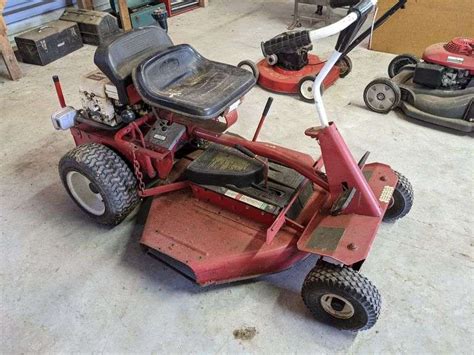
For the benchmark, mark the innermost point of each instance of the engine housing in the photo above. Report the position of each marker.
(97, 96)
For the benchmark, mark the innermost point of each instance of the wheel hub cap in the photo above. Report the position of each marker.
(307, 89)
(337, 306)
(85, 193)
(381, 96)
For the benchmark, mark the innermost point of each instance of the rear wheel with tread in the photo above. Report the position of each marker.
(100, 182)
(402, 200)
(341, 297)
(397, 64)
(345, 66)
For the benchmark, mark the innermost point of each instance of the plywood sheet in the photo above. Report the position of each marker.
(422, 23)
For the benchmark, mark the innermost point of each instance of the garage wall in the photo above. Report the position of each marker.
(422, 23)
(22, 15)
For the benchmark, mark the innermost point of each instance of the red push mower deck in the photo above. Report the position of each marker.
(225, 208)
(289, 68)
(439, 89)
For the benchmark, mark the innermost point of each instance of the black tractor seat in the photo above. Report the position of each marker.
(119, 55)
(179, 79)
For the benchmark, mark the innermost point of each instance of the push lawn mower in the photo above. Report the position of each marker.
(289, 68)
(438, 89)
(226, 208)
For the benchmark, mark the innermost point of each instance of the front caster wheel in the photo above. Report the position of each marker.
(341, 297)
(345, 66)
(251, 67)
(401, 201)
(382, 95)
(100, 182)
(397, 64)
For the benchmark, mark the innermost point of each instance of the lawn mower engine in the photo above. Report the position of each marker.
(101, 104)
(447, 66)
(287, 57)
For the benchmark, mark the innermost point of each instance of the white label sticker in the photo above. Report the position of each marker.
(159, 137)
(246, 199)
(386, 194)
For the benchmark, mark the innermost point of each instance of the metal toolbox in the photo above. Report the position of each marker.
(95, 26)
(48, 43)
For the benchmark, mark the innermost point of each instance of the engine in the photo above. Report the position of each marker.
(100, 101)
(448, 66)
(436, 76)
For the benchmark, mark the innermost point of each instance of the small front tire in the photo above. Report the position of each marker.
(341, 297)
(382, 95)
(99, 182)
(305, 89)
(401, 201)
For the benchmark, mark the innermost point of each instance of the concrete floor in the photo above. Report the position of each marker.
(70, 285)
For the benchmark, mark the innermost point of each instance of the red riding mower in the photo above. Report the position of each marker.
(226, 208)
(438, 89)
(289, 68)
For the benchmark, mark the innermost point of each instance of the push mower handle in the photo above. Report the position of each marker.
(348, 28)
(292, 41)
(342, 3)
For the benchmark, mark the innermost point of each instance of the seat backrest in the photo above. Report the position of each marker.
(119, 56)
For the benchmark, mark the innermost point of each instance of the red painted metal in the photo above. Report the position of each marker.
(280, 220)
(276, 79)
(133, 95)
(457, 54)
(217, 245)
(59, 91)
(163, 189)
(342, 170)
(359, 230)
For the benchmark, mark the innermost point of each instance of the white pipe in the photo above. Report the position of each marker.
(318, 99)
(333, 29)
(323, 33)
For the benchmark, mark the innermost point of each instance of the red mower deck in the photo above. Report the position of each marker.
(276, 79)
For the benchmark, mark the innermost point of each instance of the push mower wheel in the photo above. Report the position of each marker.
(250, 66)
(100, 182)
(341, 297)
(345, 66)
(396, 65)
(382, 95)
(305, 89)
(402, 200)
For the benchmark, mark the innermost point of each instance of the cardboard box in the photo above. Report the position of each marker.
(423, 23)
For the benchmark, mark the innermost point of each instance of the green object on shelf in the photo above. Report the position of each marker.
(140, 11)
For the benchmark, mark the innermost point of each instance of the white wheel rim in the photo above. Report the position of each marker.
(381, 96)
(337, 306)
(307, 89)
(248, 68)
(80, 188)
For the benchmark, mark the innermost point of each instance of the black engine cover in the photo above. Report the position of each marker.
(429, 75)
(293, 60)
